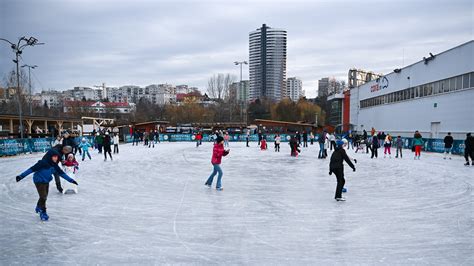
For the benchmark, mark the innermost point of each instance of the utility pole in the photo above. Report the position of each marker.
(240, 90)
(29, 85)
(18, 50)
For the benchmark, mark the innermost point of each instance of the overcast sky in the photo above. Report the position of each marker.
(186, 42)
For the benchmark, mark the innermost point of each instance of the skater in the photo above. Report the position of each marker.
(311, 137)
(63, 151)
(332, 141)
(263, 144)
(107, 148)
(259, 137)
(150, 139)
(217, 153)
(247, 138)
(336, 166)
(70, 167)
(136, 138)
(145, 138)
(294, 146)
(277, 142)
(43, 171)
(226, 139)
(157, 136)
(57, 141)
(198, 139)
(321, 140)
(374, 146)
(116, 141)
(469, 149)
(387, 146)
(399, 145)
(417, 144)
(85, 148)
(448, 145)
(305, 139)
(298, 138)
(100, 141)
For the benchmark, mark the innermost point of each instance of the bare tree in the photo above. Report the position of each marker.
(218, 85)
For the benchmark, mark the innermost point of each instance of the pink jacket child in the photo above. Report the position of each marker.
(217, 152)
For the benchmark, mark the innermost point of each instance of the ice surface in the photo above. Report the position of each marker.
(150, 206)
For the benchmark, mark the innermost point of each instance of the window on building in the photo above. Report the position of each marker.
(417, 92)
(471, 84)
(458, 82)
(435, 87)
(445, 85)
(452, 84)
(465, 81)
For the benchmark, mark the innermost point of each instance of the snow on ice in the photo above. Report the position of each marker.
(150, 206)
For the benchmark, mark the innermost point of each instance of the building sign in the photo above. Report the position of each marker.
(382, 83)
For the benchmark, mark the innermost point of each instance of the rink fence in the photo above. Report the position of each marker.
(9, 147)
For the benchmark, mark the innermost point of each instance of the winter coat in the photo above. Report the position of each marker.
(226, 137)
(337, 158)
(99, 139)
(294, 145)
(277, 139)
(399, 142)
(44, 169)
(469, 144)
(322, 138)
(387, 142)
(375, 142)
(106, 141)
(305, 137)
(116, 140)
(217, 153)
(418, 141)
(448, 142)
(84, 145)
(69, 142)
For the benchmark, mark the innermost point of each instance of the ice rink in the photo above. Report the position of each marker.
(150, 206)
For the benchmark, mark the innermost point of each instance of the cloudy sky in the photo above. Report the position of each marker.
(89, 42)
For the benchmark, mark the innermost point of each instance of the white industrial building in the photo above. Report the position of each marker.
(294, 89)
(434, 96)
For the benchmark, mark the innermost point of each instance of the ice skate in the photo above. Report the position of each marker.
(341, 199)
(43, 215)
(208, 185)
(466, 164)
(219, 188)
(37, 209)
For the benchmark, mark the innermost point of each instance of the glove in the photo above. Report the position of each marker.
(355, 160)
(18, 178)
(75, 183)
(353, 169)
(330, 173)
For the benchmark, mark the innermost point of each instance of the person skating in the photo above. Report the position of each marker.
(277, 142)
(294, 147)
(247, 138)
(387, 146)
(63, 151)
(311, 137)
(136, 138)
(198, 139)
(399, 145)
(226, 139)
(157, 136)
(259, 137)
(417, 144)
(85, 149)
(145, 138)
(336, 166)
(448, 145)
(107, 149)
(469, 149)
(116, 141)
(43, 171)
(263, 144)
(332, 140)
(217, 152)
(150, 140)
(321, 140)
(298, 138)
(305, 139)
(100, 141)
(71, 166)
(374, 146)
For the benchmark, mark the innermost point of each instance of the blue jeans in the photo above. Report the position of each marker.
(321, 150)
(217, 170)
(84, 152)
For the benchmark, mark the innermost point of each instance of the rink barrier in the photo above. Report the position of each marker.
(430, 145)
(10, 147)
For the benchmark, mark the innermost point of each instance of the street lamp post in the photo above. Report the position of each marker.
(29, 84)
(240, 89)
(18, 50)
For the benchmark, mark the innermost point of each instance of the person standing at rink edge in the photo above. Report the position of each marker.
(448, 145)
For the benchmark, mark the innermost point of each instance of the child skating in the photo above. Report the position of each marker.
(70, 168)
(84, 145)
(43, 174)
(336, 166)
(277, 143)
(217, 153)
(263, 144)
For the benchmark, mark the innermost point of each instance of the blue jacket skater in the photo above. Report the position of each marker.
(44, 169)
